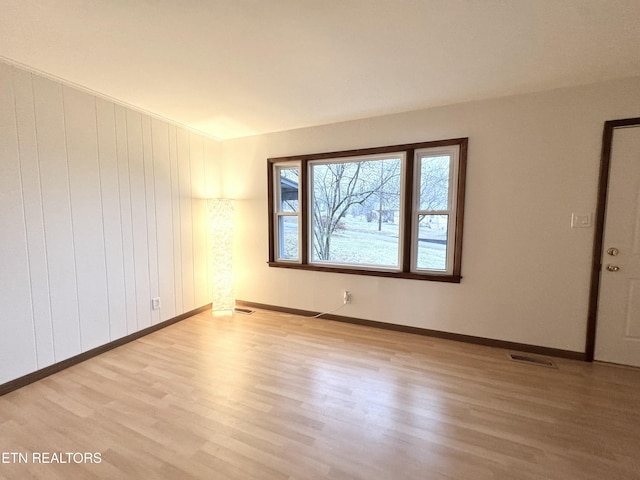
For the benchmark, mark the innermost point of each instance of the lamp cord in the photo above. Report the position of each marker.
(330, 311)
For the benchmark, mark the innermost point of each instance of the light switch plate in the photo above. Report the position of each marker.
(155, 303)
(579, 220)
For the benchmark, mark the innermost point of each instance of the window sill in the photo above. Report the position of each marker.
(370, 273)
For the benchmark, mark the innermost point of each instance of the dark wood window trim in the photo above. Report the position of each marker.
(405, 272)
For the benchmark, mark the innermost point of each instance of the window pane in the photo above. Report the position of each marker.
(288, 238)
(289, 179)
(432, 242)
(434, 183)
(356, 212)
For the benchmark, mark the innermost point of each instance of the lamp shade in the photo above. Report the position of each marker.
(221, 227)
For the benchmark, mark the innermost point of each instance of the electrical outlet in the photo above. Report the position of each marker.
(346, 297)
(155, 303)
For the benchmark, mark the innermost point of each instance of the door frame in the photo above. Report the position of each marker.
(596, 263)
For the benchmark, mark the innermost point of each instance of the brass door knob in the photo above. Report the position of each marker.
(613, 251)
(613, 268)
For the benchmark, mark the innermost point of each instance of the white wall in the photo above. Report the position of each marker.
(533, 159)
(101, 209)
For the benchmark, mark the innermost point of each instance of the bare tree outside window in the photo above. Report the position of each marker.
(434, 183)
(338, 190)
(433, 218)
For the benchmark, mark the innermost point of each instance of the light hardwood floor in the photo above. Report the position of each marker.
(277, 396)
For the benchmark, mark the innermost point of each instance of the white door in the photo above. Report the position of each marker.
(618, 330)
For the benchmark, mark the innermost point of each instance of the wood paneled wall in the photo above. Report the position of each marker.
(102, 208)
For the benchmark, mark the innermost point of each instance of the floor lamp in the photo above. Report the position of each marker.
(221, 226)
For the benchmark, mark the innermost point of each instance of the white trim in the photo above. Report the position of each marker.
(360, 158)
(400, 155)
(277, 213)
(453, 152)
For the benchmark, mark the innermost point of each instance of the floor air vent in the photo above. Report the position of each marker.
(246, 311)
(541, 362)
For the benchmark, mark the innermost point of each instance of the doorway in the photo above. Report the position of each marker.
(613, 329)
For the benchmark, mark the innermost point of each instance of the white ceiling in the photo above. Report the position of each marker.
(232, 68)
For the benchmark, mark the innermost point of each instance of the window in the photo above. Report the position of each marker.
(288, 212)
(354, 206)
(435, 214)
(389, 211)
